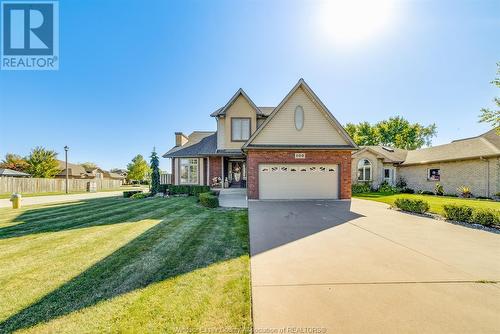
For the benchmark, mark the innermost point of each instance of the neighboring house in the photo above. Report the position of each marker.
(376, 164)
(79, 172)
(472, 162)
(12, 173)
(296, 150)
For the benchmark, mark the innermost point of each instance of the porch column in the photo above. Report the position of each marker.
(222, 171)
(208, 171)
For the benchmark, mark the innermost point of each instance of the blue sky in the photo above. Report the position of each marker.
(134, 72)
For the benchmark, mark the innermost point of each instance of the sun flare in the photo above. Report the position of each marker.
(354, 21)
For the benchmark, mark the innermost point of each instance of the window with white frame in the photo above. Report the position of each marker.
(188, 171)
(240, 129)
(364, 170)
(299, 118)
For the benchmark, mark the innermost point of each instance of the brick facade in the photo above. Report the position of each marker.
(481, 176)
(256, 157)
(215, 168)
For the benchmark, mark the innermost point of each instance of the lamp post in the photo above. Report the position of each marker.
(66, 148)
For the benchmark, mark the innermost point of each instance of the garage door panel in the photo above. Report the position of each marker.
(298, 181)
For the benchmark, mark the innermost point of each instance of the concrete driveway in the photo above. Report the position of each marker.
(358, 267)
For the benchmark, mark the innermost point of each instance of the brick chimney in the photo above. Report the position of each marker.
(180, 139)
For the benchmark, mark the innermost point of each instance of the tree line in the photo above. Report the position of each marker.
(43, 163)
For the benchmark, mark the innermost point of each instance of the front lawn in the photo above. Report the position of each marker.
(124, 265)
(436, 202)
(122, 188)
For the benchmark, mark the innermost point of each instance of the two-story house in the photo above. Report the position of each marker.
(296, 150)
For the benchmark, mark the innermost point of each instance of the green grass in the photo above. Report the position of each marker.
(122, 265)
(435, 202)
(3, 196)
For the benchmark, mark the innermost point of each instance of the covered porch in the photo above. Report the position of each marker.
(227, 171)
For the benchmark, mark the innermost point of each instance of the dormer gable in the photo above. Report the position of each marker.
(301, 120)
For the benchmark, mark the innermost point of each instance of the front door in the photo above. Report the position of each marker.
(237, 171)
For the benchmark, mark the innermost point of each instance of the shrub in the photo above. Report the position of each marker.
(192, 190)
(387, 188)
(139, 195)
(483, 197)
(208, 199)
(461, 213)
(486, 217)
(129, 193)
(464, 192)
(451, 195)
(425, 192)
(360, 188)
(439, 189)
(412, 205)
(407, 191)
(401, 183)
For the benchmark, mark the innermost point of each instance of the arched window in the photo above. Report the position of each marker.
(364, 170)
(299, 118)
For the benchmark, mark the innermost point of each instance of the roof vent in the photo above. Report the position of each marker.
(388, 149)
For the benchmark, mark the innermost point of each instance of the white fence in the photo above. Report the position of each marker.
(165, 178)
(23, 185)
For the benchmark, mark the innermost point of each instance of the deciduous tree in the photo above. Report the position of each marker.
(396, 132)
(88, 165)
(42, 163)
(14, 162)
(138, 169)
(489, 115)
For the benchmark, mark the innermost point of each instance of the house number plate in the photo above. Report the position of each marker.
(300, 155)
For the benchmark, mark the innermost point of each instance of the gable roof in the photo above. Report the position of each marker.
(389, 154)
(222, 111)
(11, 172)
(73, 169)
(485, 145)
(302, 84)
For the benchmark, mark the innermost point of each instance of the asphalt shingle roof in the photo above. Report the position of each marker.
(487, 144)
(11, 172)
(206, 146)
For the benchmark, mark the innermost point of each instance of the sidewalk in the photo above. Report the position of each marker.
(5, 203)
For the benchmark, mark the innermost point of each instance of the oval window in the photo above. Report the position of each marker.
(299, 118)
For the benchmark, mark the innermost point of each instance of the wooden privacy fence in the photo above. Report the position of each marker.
(23, 185)
(165, 178)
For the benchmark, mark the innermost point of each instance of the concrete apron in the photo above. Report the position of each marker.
(361, 268)
(233, 198)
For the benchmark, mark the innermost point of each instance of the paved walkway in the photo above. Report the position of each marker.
(233, 198)
(25, 201)
(358, 267)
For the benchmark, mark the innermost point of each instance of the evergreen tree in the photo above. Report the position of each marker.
(155, 173)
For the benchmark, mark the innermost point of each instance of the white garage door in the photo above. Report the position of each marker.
(294, 181)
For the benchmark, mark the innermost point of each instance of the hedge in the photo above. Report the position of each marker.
(463, 213)
(412, 205)
(209, 200)
(192, 190)
(129, 193)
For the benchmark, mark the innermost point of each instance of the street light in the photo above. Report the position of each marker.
(66, 148)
